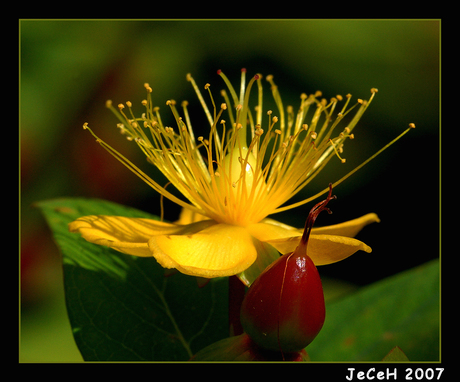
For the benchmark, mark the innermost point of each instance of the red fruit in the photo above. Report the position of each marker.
(284, 309)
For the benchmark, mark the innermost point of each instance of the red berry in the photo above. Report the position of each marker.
(284, 309)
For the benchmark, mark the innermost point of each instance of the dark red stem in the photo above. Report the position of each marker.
(236, 292)
(314, 212)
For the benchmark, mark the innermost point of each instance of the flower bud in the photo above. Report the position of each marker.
(284, 309)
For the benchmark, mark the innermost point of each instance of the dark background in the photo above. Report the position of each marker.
(69, 68)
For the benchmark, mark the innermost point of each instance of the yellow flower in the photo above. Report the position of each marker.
(232, 180)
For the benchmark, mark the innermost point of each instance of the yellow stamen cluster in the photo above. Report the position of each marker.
(240, 172)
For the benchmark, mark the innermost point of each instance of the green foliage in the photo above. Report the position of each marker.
(396, 355)
(123, 308)
(242, 349)
(402, 310)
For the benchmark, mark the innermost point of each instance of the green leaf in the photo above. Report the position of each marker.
(123, 308)
(396, 355)
(401, 310)
(237, 348)
(242, 349)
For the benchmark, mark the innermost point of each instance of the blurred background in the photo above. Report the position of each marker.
(69, 68)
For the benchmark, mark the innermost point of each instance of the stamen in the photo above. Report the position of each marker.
(200, 97)
(229, 86)
(336, 152)
(295, 205)
(242, 87)
(277, 163)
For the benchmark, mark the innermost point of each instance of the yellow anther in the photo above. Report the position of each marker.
(343, 160)
(259, 132)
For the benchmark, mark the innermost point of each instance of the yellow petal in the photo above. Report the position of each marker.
(286, 245)
(269, 229)
(127, 235)
(323, 249)
(188, 216)
(286, 238)
(218, 250)
(328, 249)
(349, 228)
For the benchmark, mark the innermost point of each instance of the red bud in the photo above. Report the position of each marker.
(284, 309)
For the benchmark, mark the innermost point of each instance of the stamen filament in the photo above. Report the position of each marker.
(336, 183)
(141, 174)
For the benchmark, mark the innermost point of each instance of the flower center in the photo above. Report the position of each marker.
(240, 183)
(238, 168)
